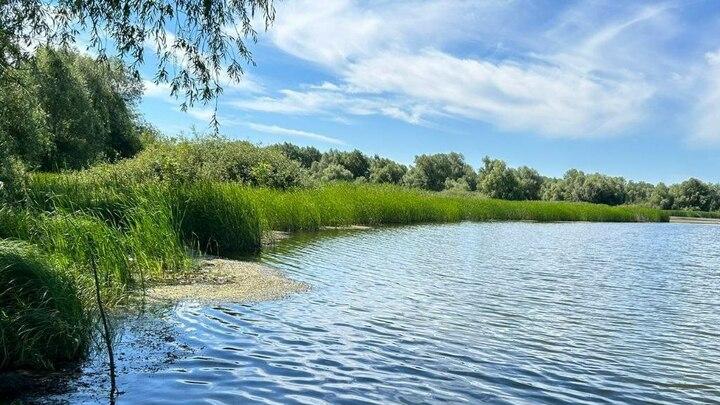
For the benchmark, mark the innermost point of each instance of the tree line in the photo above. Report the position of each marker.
(64, 111)
(449, 172)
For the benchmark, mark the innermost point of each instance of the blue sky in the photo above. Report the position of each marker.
(624, 88)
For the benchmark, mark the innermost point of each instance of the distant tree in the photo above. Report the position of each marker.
(601, 189)
(693, 194)
(553, 189)
(661, 197)
(496, 180)
(383, 170)
(355, 162)
(431, 171)
(305, 155)
(530, 183)
(200, 47)
(335, 172)
(638, 192)
(457, 186)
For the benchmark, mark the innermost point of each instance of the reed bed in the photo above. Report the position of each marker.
(141, 232)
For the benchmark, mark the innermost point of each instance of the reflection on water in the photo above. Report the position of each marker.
(497, 312)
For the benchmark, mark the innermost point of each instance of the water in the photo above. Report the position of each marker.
(478, 313)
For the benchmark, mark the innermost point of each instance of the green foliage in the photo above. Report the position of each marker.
(693, 194)
(24, 131)
(595, 188)
(496, 180)
(432, 171)
(660, 197)
(383, 170)
(200, 38)
(530, 183)
(62, 110)
(219, 218)
(305, 155)
(13, 179)
(334, 172)
(42, 318)
(208, 159)
(354, 162)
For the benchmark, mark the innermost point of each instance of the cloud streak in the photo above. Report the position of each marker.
(276, 130)
(389, 61)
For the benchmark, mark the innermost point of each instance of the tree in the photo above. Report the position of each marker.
(638, 192)
(530, 182)
(432, 171)
(600, 189)
(305, 155)
(355, 162)
(496, 180)
(23, 127)
(207, 42)
(661, 197)
(693, 194)
(383, 170)
(335, 172)
(62, 110)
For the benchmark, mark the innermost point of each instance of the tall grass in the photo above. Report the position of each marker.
(144, 231)
(218, 218)
(352, 204)
(42, 318)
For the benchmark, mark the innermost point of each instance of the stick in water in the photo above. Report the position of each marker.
(106, 327)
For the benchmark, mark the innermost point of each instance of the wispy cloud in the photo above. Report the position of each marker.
(276, 130)
(707, 110)
(389, 60)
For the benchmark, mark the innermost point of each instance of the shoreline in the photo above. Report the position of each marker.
(226, 280)
(694, 220)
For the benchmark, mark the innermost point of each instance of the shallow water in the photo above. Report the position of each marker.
(495, 312)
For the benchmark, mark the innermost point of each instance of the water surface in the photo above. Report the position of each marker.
(477, 313)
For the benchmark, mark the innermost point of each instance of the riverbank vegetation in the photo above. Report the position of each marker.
(85, 185)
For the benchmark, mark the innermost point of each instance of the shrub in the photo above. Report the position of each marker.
(207, 159)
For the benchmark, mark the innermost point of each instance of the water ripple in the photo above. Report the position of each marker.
(512, 313)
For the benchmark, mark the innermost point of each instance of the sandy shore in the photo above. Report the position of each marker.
(693, 220)
(222, 280)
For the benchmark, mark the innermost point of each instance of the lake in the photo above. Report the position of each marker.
(521, 313)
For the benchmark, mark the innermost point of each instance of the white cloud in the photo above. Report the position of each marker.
(156, 90)
(392, 59)
(276, 130)
(201, 114)
(554, 100)
(707, 111)
(332, 100)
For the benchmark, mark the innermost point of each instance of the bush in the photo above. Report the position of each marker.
(13, 179)
(207, 159)
(42, 318)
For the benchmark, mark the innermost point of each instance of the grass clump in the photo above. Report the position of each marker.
(42, 317)
(219, 218)
(362, 204)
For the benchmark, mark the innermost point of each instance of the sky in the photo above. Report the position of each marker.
(629, 89)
